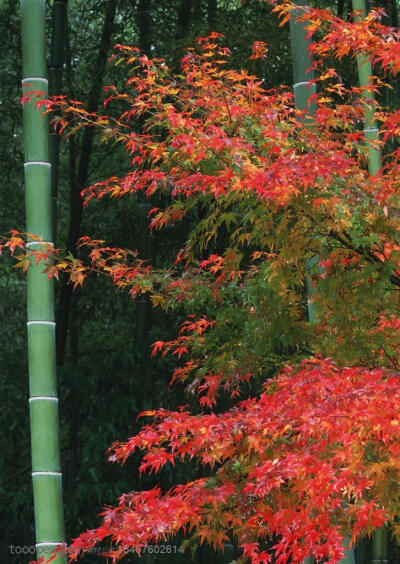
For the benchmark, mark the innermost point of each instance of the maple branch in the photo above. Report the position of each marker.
(368, 255)
(391, 360)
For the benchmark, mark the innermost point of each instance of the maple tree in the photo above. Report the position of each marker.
(263, 187)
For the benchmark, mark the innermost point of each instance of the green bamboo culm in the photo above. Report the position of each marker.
(371, 130)
(43, 401)
(379, 553)
(302, 90)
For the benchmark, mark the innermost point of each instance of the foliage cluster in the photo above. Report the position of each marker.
(106, 346)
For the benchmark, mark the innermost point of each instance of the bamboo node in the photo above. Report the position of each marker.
(45, 163)
(47, 398)
(30, 78)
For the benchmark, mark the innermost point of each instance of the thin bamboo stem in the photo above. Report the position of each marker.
(302, 74)
(371, 131)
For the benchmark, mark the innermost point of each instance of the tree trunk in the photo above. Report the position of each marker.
(184, 15)
(43, 401)
(144, 25)
(81, 178)
(212, 14)
(55, 81)
(143, 313)
(301, 63)
(394, 13)
(340, 8)
(75, 412)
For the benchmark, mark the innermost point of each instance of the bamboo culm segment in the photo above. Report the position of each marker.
(371, 132)
(371, 129)
(43, 401)
(302, 92)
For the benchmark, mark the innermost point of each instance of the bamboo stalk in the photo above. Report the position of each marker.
(302, 91)
(371, 131)
(43, 400)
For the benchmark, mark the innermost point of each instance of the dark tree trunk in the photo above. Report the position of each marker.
(184, 16)
(55, 85)
(340, 8)
(212, 14)
(182, 27)
(394, 14)
(79, 181)
(144, 311)
(144, 24)
(344, 9)
(75, 412)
